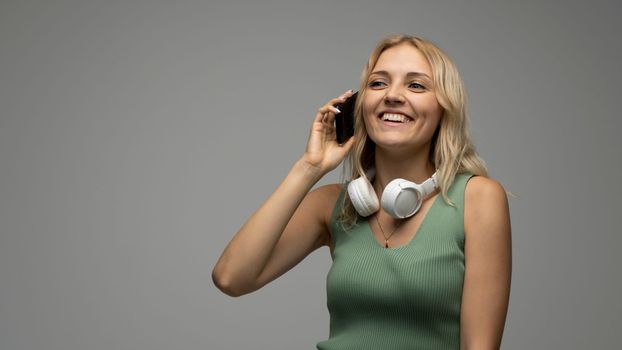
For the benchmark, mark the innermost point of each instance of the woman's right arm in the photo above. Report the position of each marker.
(290, 224)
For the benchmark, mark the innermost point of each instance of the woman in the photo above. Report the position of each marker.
(438, 279)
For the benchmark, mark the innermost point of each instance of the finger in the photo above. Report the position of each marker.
(321, 112)
(329, 108)
(329, 126)
(325, 119)
(342, 98)
(330, 115)
(346, 94)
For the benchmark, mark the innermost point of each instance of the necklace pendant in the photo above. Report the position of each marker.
(386, 244)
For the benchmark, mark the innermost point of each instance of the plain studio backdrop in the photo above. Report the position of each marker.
(136, 137)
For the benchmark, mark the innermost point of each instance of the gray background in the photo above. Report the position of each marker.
(136, 137)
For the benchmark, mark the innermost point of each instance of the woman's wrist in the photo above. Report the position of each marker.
(311, 173)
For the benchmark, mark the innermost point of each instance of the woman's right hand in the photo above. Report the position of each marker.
(323, 153)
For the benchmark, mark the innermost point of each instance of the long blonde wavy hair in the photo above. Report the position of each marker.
(451, 151)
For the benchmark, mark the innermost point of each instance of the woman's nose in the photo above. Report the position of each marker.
(394, 95)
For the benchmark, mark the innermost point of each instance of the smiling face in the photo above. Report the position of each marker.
(400, 108)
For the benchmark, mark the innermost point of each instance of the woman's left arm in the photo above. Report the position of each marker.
(488, 265)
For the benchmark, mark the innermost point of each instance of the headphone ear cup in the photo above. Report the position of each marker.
(363, 196)
(401, 198)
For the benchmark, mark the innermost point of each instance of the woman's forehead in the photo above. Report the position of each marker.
(401, 60)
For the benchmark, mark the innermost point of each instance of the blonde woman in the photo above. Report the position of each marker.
(419, 235)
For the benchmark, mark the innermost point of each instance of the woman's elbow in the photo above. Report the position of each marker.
(226, 285)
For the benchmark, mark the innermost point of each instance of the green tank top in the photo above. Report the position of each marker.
(407, 297)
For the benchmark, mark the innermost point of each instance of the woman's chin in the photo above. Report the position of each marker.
(395, 145)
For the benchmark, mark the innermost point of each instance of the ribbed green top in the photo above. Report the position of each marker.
(407, 297)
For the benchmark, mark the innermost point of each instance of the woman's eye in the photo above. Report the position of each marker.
(375, 83)
(417, 86)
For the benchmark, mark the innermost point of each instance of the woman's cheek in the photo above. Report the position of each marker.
(368, 125)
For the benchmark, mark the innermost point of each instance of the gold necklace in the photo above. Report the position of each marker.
(386, 239)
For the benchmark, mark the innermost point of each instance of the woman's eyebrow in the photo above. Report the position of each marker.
(409, 74)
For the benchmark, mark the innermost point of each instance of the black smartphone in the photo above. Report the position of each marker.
(344, 121)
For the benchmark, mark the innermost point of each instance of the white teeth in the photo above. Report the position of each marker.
(395, 117)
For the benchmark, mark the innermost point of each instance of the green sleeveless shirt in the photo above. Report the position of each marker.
(407, 297)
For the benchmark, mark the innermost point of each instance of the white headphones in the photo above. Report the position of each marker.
(400, 199)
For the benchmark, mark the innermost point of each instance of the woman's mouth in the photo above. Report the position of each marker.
(395, 119)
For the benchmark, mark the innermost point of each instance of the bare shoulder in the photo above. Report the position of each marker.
(485, 202)
(482, 188)
(329, 190)
(321, 202)
(325, 197)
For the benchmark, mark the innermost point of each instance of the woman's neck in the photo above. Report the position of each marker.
(415, 167)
